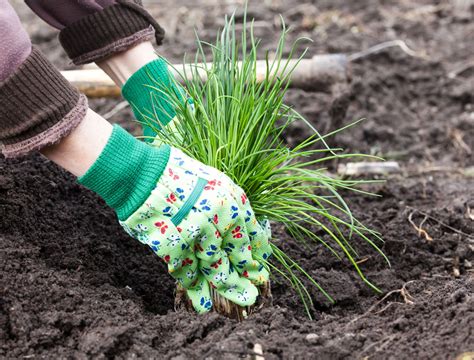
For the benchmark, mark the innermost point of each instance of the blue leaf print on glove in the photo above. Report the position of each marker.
(167, 211)
(211, 250)
(206, 302)
(229, 247)
(180, 193)
(235, 211)
(155, 245)
(204, 204)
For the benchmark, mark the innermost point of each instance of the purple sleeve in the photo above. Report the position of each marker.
(60, 13)
(15, 45)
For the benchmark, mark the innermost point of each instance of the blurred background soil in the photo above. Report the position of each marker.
(73, 285)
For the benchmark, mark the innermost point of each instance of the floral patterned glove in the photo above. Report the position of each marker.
(202, 225)
(192, 216)
(249, 240)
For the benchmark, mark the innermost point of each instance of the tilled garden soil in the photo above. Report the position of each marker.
(73, 285)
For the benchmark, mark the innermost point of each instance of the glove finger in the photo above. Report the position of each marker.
(239, 250)
(170, 242)
(214, 263)
(200, 295)
(259, 231)
(228, 220)
(207, 240)
(259, 235)
(222, 276)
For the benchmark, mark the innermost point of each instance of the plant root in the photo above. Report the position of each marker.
(385, 45)
(440, 222)
(225, 307)
(407, 300)
(419, 229)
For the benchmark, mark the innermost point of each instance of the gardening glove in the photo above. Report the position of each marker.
(145, 92)
(192, 216)
(92, 30)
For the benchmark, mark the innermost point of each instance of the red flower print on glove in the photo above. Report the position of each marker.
(236, 234)
(187, 261)
(172, 174)
(171, 198)
(212, 184)
(216, 264)
(161, 225)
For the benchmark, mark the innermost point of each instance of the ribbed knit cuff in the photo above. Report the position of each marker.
(37, 107)
(146, 91)
(114, 29)
(126, 172)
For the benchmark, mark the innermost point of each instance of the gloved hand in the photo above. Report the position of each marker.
(146, 92)
(193, 216)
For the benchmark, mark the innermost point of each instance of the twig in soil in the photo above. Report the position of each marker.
(384, 342)
(419, 229)
(460, 69)
(440, 222)
(225, 351)
(434, 169)
(386, 307)
(408, 299)
(382, 46)
(457, 138)
(366, 168)
(406, 295)
(361, 261)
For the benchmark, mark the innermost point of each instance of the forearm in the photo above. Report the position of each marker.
(120, 67)
(77, 151)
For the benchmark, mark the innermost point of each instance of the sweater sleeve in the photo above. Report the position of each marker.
(15, 45)
(38, 107)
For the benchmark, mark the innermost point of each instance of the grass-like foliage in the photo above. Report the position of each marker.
(237, 125)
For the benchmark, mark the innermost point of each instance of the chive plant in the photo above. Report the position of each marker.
(236, 125)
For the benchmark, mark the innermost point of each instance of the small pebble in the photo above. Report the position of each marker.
(312, 338)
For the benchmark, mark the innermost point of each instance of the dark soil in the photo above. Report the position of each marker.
(73, 285)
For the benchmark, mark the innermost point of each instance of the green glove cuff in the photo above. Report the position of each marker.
(126, 172)
(144, 91)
